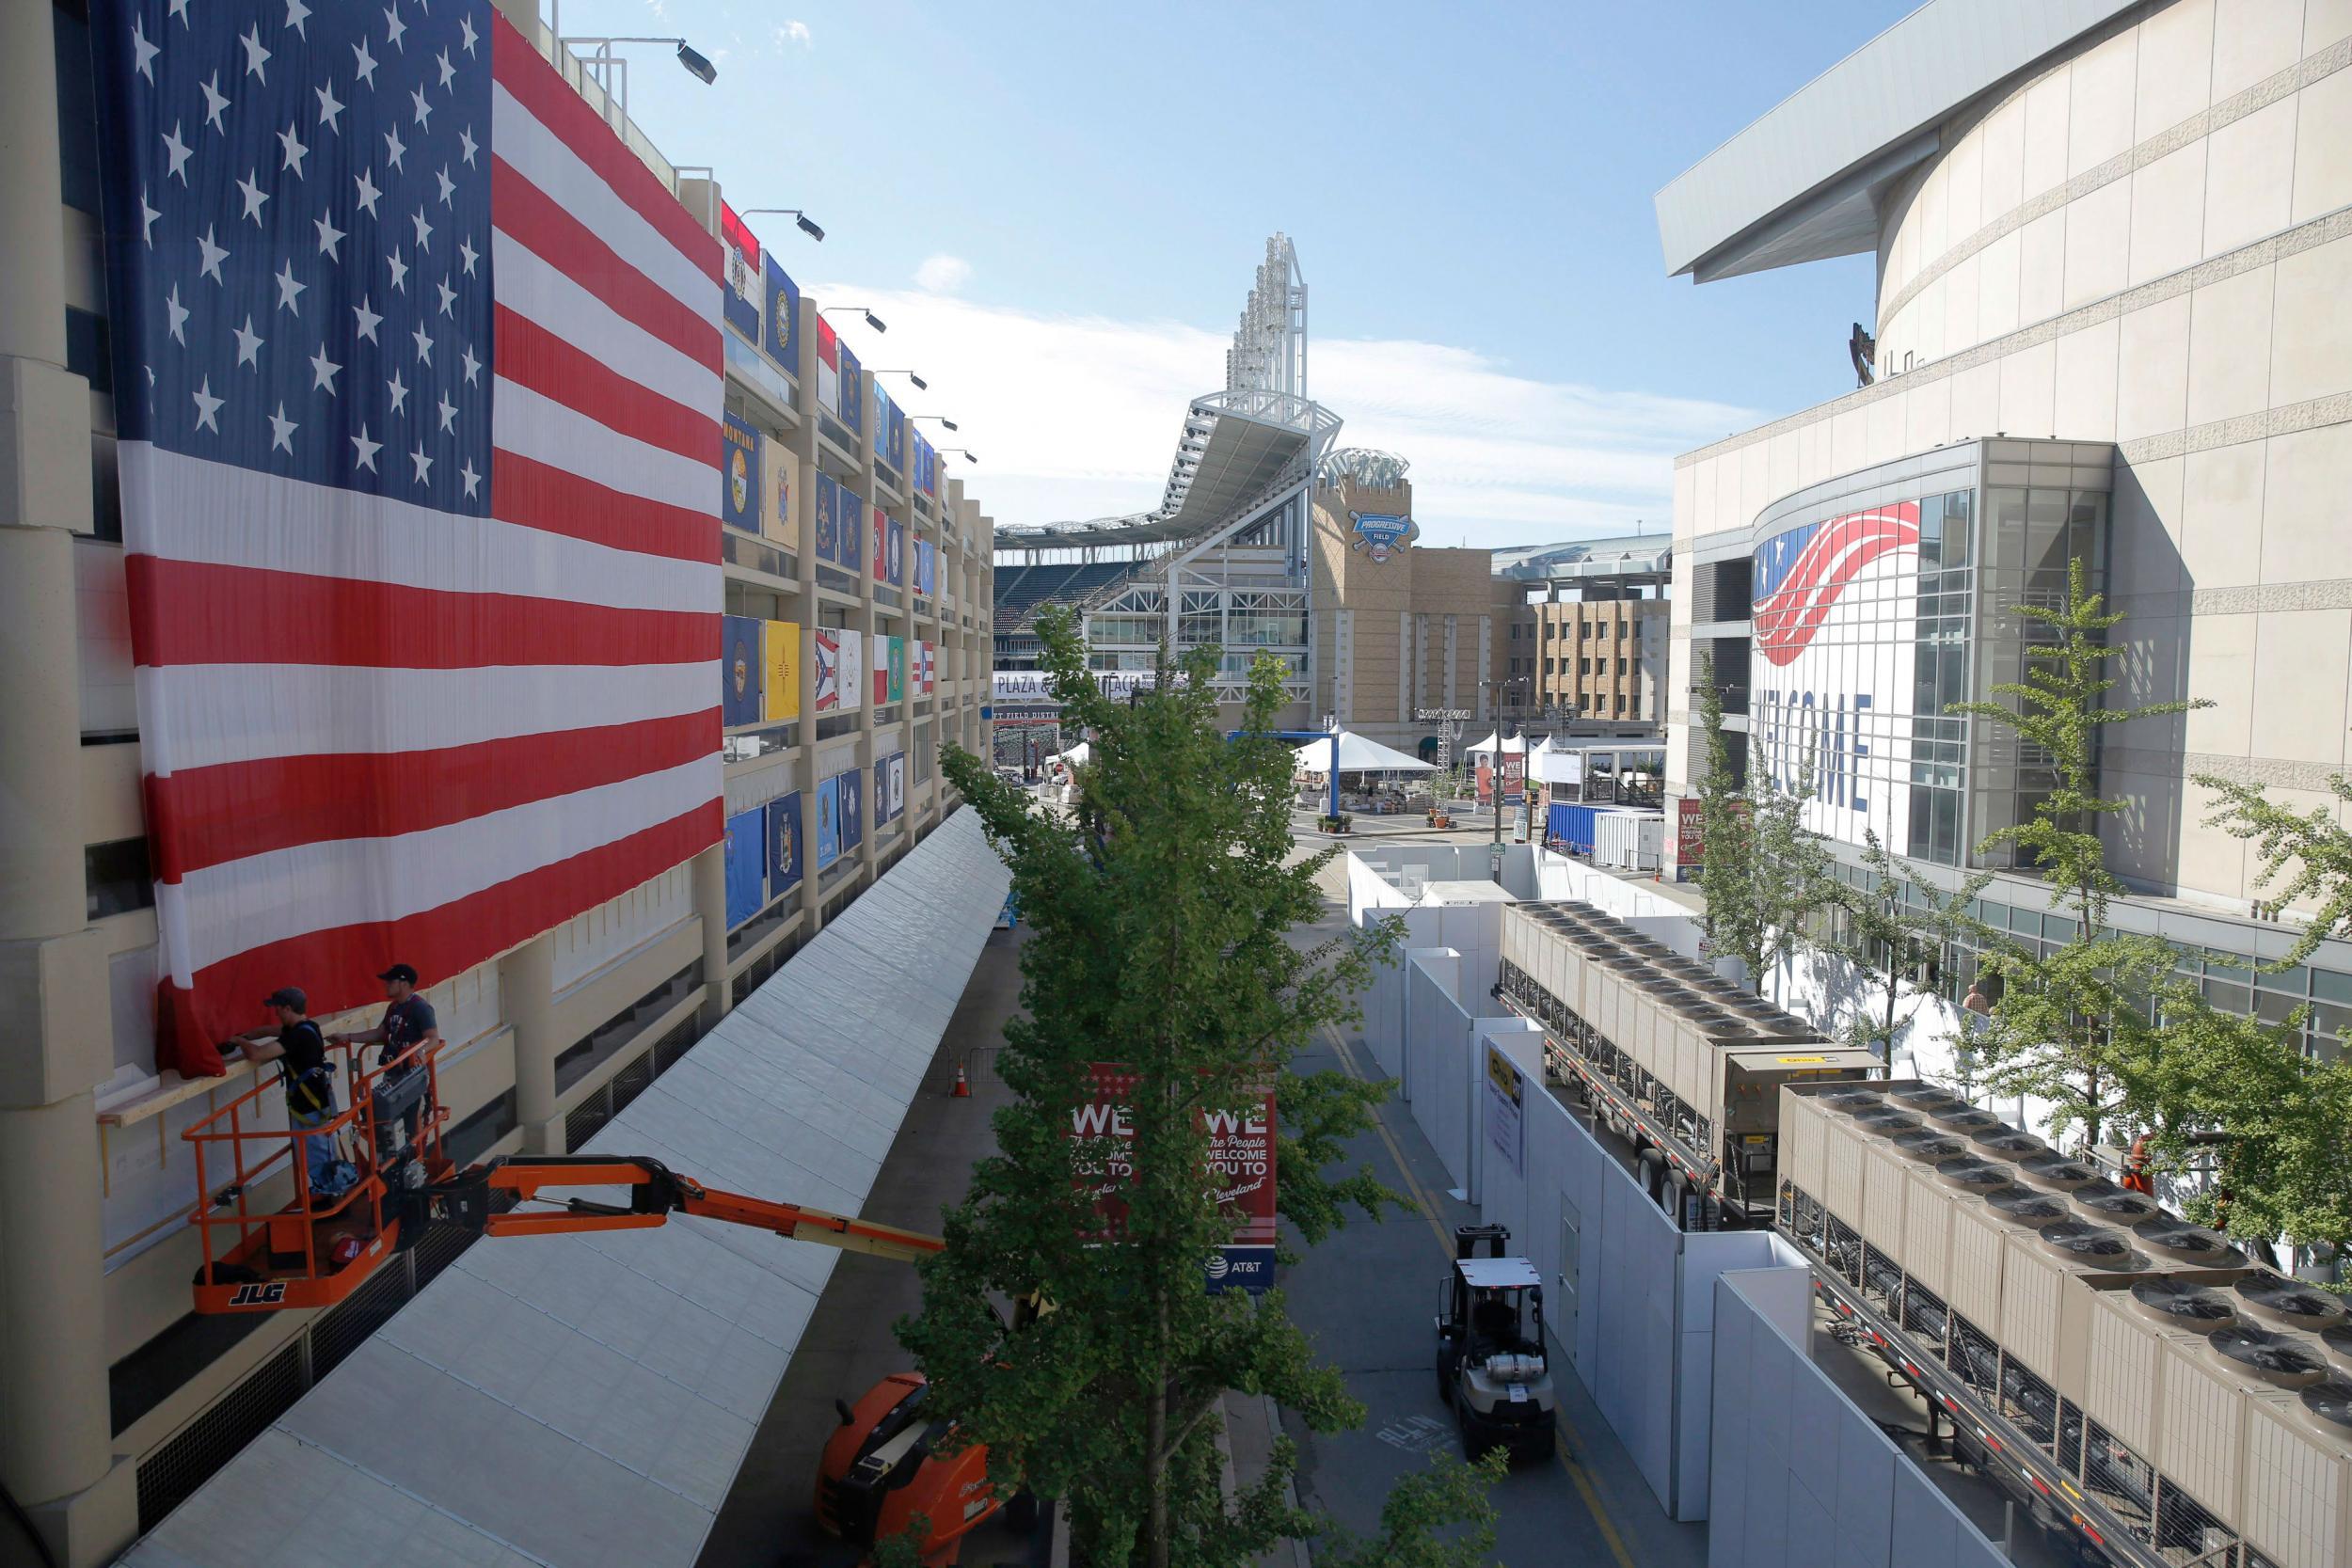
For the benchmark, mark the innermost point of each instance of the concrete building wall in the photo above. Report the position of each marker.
(1421, 629)
(2144, 241)
(1605, 658)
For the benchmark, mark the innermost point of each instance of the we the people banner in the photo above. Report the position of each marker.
(1240, 1168)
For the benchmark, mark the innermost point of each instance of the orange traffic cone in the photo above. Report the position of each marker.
(962, 1089)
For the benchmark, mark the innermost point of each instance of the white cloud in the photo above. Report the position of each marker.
(1077, 417)
(793, 34)
(942, 274)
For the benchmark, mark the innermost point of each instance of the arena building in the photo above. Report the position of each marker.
(2113, 250)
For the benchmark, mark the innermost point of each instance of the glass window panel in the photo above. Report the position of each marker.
(2045, 530)
(2008, 517)
(2332, 985)
(1930, 529)
(1957, 524)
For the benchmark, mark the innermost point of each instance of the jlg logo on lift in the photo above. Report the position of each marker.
(270, 1294)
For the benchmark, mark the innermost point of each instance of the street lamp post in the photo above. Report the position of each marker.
(595, 53)
(1502, 745)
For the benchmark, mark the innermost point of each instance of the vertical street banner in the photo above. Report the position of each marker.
(784, 844)
(852, 392)
(1240, 1170)
(780, 695)
(779, 337)
(1507, 1109)
(744, 670)
(747, 865)
(852, 807)
(418, 384)
(852, 684)
(825, 670)
(738, 479)
(879, 646)
(828, 797)
(775, 491)
(746, 275)
(897, 668)
(898, 784)
(828, 507)
(1514, 777)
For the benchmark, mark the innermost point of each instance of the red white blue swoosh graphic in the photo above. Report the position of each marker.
(1800, 575)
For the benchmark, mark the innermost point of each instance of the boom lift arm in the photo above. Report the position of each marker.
(467, 1199)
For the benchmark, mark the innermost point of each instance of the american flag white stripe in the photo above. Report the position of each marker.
(269, 898)
(562, 436)
(544, 292)
(546, 160)
(366, 538)
(216, 714)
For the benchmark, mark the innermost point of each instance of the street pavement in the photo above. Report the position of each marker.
(1368, 1297)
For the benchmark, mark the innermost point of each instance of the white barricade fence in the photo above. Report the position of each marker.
(1797, 1466)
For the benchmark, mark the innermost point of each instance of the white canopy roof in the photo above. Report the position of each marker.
(1356, 755)
(1077, 754)
(1517, 743)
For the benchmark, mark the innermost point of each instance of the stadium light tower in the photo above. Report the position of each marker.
(871, 319)
(943, 418)
(807, 225)
(920, 384)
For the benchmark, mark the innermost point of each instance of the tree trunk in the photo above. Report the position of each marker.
(1155, 1448)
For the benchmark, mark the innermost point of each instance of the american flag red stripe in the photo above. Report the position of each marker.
(1784, 621)
(363, 794)
(429, 735)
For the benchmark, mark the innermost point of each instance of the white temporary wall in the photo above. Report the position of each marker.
(1802, 1476)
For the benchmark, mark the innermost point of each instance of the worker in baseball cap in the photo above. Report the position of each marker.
(293, 1040)
(408, 1031)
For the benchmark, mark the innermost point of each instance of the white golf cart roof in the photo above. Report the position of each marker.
(1498, 1273)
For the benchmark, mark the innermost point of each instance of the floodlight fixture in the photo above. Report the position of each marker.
(871, 319)
(807, 226)
(920, 384)
(943, 418)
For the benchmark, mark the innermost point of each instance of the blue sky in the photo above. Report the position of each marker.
(1062, 209)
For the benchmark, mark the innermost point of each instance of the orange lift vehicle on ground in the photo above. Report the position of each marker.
(880, 1469)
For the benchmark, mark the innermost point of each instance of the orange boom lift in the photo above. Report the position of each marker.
(880, 1468)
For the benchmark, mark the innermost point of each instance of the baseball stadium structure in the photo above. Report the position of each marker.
(1222, 559)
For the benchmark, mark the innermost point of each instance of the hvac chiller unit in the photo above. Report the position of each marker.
(2128, 1372)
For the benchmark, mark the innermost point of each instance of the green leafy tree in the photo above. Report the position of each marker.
(1161, 910)
(1732, 920)
(1891, 928)
(2283, 1166)
(1791, 878)
(1450, 1496)
(2073, 1027)
(2305, 855)
(1764, 874)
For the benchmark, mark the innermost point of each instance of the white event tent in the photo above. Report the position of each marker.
(1357, 754)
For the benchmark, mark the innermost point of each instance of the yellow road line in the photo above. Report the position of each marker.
(1421, 1199)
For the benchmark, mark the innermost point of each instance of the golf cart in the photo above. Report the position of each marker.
(1490, 1348)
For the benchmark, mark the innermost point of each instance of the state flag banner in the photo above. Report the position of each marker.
(418, 389)
(780, 337)
(881, 648)
(828, 366)
(738, 477)
(746, 278)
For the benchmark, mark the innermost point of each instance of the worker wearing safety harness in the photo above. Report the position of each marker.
(295, 1044)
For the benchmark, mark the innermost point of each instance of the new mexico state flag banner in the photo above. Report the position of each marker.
(781, 696)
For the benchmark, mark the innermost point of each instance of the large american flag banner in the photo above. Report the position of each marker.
(1801, 574)
(419, 385)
